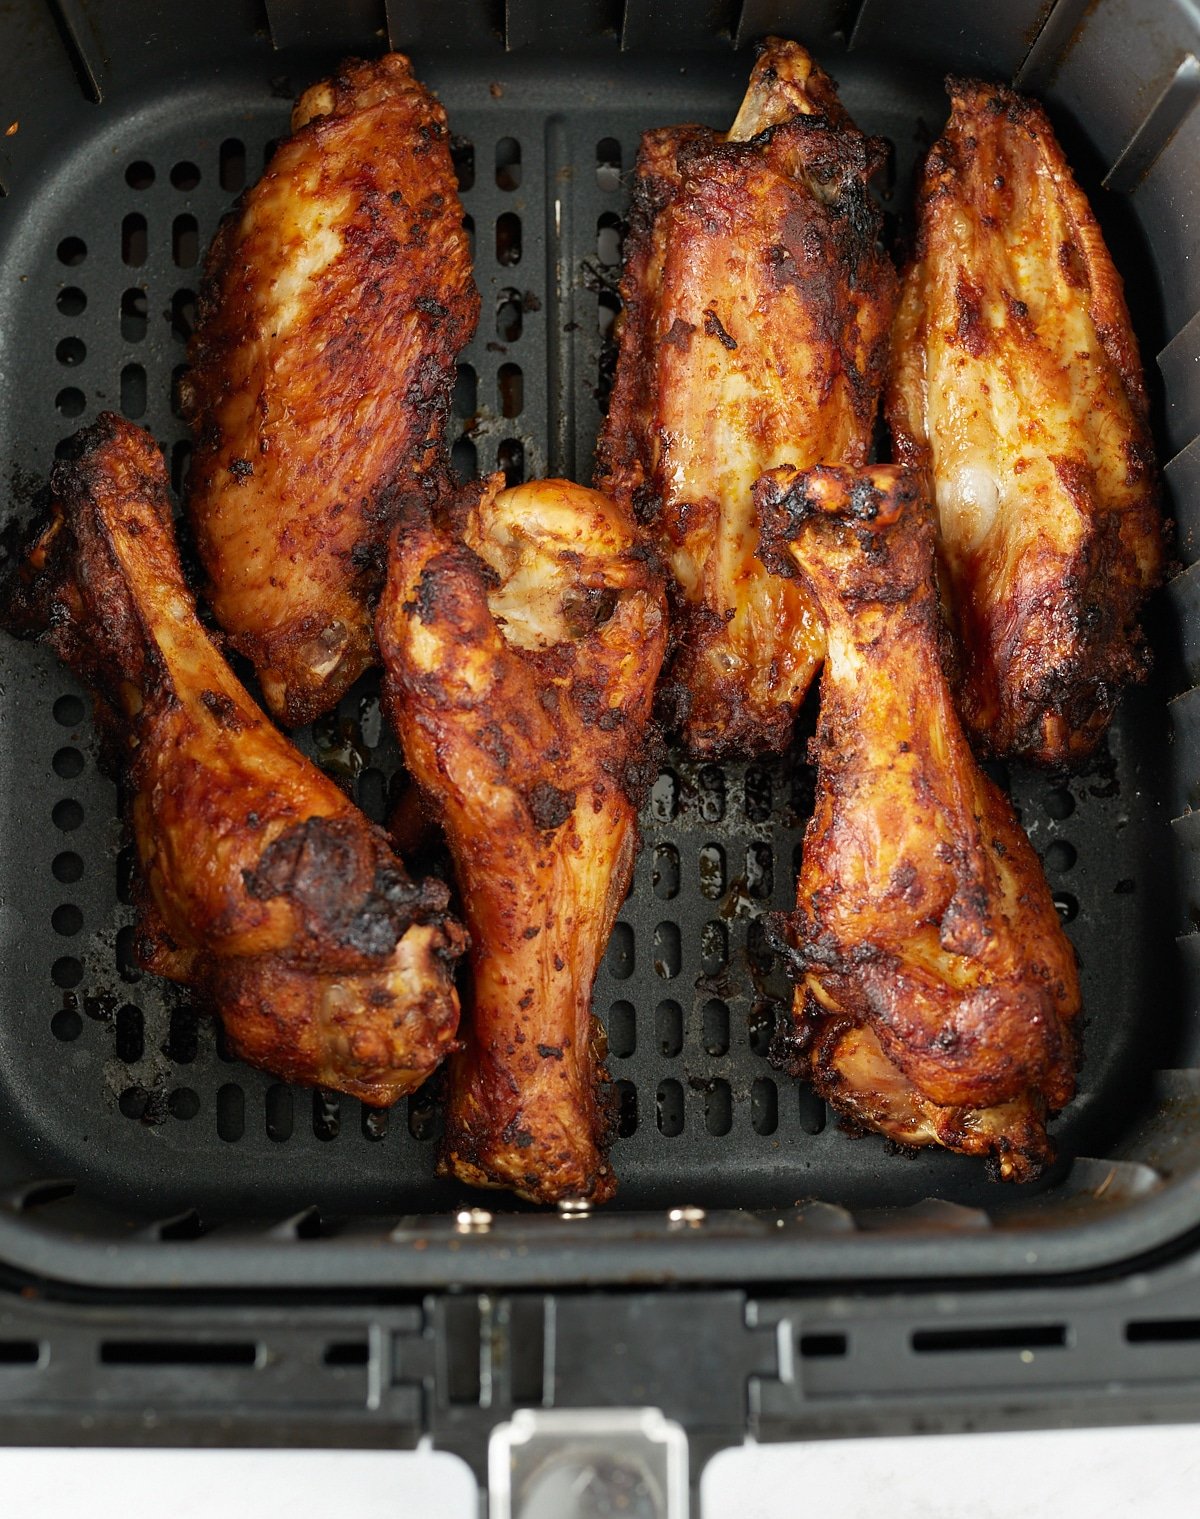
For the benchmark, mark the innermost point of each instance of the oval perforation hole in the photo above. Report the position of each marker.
(375, 1123)
(422, 1116)
(231, 1112)
(665, 875)
(139, 175)
(668, 1028)
(714, 947)
(670, 1109)
(1067, 904)
(66, 1025)
(627, 1109)
(609, 233)
(1059, 803)
(269, 150)
(718, 1107)
(462, 156)
(185, 242)
(69, 711)
(714, 1027)
(668, 951)
(464, 460)
(608, 308)
(757, 795)
(664, 797)
(134, 314)
(185, 175)
(70, 352)
(133, 391)
(231, 164)
(179, 380)
(760, 870)
(764, 1106)
(183, 1103)
(812, 1110)
(66, 972)
(508, 164)
(66, 919)
(277, 1112)
(71, 301)
(183, 1035)
(466, 392)
(134, 1102)
(67, 763)
(70, 401)
(510, 387)
(1060, 856)
(608, 164)
(71, 251)
(760, 1027)
(510, 315)
(510, 458)
(622, 1030)
(326, 1115)
(468, 226)
(126, 874)
(508, 239)
(126, 955)
(129, 1034)
(710, 793)
(183, 314)
(758, 952)
(135, 242)
(67, 815)
(620, 956)
(711, 866)
(67, 867)
(181, 464)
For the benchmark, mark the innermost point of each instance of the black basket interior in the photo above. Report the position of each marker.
(113, 1081)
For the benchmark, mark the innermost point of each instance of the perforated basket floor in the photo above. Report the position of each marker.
(112, 1078)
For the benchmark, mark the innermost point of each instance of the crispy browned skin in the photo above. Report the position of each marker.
(261, 885)
(521, 655)
(1016, 382)
(936, 986)
(334, 303)
(756, 313)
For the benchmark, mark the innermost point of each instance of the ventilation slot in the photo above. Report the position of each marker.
(1162, 1331)
(178, 1353)
(1014, 1337)
(20, 1353)
(823, 1347)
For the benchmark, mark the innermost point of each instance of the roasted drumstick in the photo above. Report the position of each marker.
(1016, 383)
(520, 652)
(756, 312)
(936, 988)
(335, 301)
(260, 884)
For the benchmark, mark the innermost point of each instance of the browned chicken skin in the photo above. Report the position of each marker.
(520, 654)
(335, 301)
(260, 884)
(936, 986)
(756, 313)
(1016, 382)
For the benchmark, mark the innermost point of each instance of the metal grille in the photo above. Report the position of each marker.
(115, 1079)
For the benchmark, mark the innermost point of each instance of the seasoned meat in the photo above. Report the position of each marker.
(936, 988)
(1016, 383)
(335, 301)
(521, 647)
(260, 884)
(756, 312)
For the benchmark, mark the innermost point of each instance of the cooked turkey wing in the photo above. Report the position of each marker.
(936, 987)
(260, 884)
(756, 313)
(335, 301)
(1016, 383)
(520, 653)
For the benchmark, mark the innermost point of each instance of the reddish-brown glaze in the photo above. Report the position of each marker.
(1016, 383)
(521, 651)
(335, 301)
(260, 884)
(936, 986)
(756, 311)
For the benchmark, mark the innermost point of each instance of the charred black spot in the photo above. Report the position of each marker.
(715, 329)
(223, 710)
(241, 470)
(430, 307)
(679, 335)
(549, 806)
(550, 1051)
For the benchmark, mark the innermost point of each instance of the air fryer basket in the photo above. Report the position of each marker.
(135, 1155)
